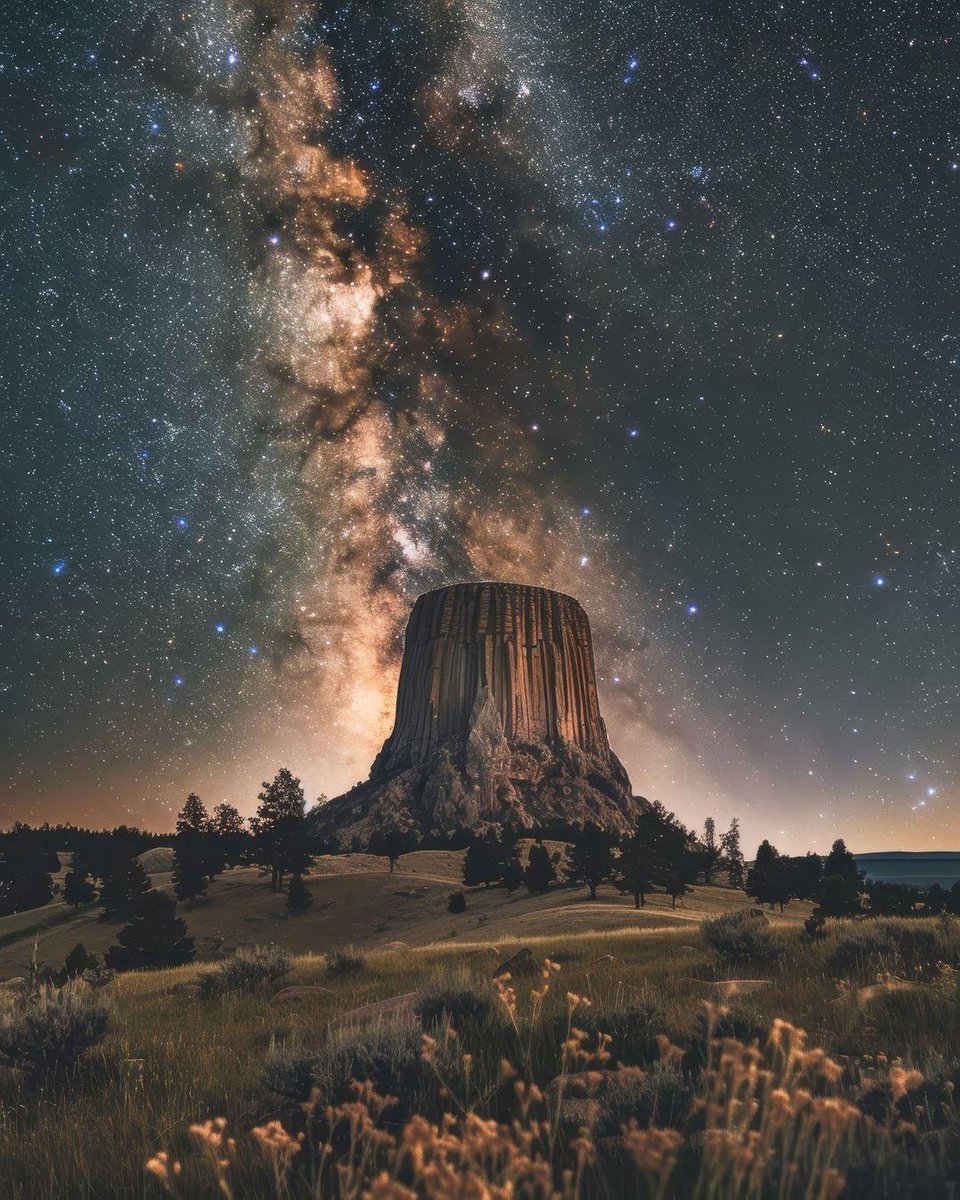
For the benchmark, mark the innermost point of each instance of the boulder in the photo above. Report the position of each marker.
(523, 965)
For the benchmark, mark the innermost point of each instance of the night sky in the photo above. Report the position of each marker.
(309, 309)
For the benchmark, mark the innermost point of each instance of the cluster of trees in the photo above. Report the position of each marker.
(658, 852)
(837, 888)
(104, 868)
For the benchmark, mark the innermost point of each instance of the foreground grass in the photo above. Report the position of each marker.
(172, 1059)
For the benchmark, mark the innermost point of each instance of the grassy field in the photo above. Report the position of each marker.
(357, 900)
(172, 1058)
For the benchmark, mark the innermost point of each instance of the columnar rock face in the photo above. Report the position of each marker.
(497, 722)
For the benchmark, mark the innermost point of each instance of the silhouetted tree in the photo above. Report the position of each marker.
(708, 853)
(25, 865)
(590, 859)
(299, 898)
(675, 888)
(732, 855)
(769, 880)
(281, 834)
(893, 899)
(457, 903)
(122, 890)
(842, 890)
(636, 869)
(541, 870)
(230, 829)
(391, 842)
(156, 936)
(77, 888)
(481, 863)
(198, 850)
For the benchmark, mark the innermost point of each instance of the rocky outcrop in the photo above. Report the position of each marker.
(497, 722)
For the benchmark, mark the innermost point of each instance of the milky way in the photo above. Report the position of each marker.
(324, 305)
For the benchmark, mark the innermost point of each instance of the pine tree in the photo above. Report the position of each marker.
(198, 850)
(733, 856)
(481, 863)
(590, 859)
(299, 898)
(25, 864)
(675, 888)
(122, 890)
(709, 854)
(156, 936)
(282, 837)
(541, 870)
(391, 841)
(193, 818)
(77, 888)
(229, 827)
(636, 868)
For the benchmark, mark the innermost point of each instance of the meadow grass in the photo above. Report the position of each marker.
(172, 1059)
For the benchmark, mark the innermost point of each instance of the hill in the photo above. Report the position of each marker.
(357, 901)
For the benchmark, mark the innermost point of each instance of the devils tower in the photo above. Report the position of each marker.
(497, 722)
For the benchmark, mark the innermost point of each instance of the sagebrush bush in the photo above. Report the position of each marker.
(47, 1031)
(661, 1096)
(741, 937)
(886, 943)
(345, 960)
(388, 1055)
(250, 969)
(456, 1002)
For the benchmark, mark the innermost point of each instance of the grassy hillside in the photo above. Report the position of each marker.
(357, 900)
(172, 1057)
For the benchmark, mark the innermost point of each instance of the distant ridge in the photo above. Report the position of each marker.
(922, 868)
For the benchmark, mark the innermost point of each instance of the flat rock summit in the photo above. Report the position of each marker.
(497, 722)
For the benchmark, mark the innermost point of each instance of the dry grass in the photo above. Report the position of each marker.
(172, 1059)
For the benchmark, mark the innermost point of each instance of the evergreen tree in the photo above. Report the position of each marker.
(77, 961)
(841, 862)
(198, 850)
(281, 833)
(765, 877)
(299, 898)
(391, 842)
(511, 869)
(481, 863)
(77, 888)
(122, 890)
(156, 936)
(709, 854)
(733, 856)
(590, 859)
(25, 864)
(193, 818)
(675, 888)
(636, 868)
(541, 870)
(229, 827)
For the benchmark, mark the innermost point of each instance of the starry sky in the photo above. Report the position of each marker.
(310, 308)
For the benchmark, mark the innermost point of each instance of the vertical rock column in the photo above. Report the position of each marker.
(529, 648)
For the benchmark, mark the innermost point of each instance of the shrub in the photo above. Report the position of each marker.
(741, 937)
(250, 969)
(48, 1031)
(457, 903)
(660, 1096)
(456, 1003)
(885, 943)
(344, 961)
(388, 1055)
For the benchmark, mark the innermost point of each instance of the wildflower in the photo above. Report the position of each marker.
(275, 1141)
(902, 1081)
(653, 1150)
(161, 1167)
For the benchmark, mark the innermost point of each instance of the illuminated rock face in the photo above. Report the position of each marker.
(497, 722)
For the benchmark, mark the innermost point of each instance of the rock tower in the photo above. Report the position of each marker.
(497, 722)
